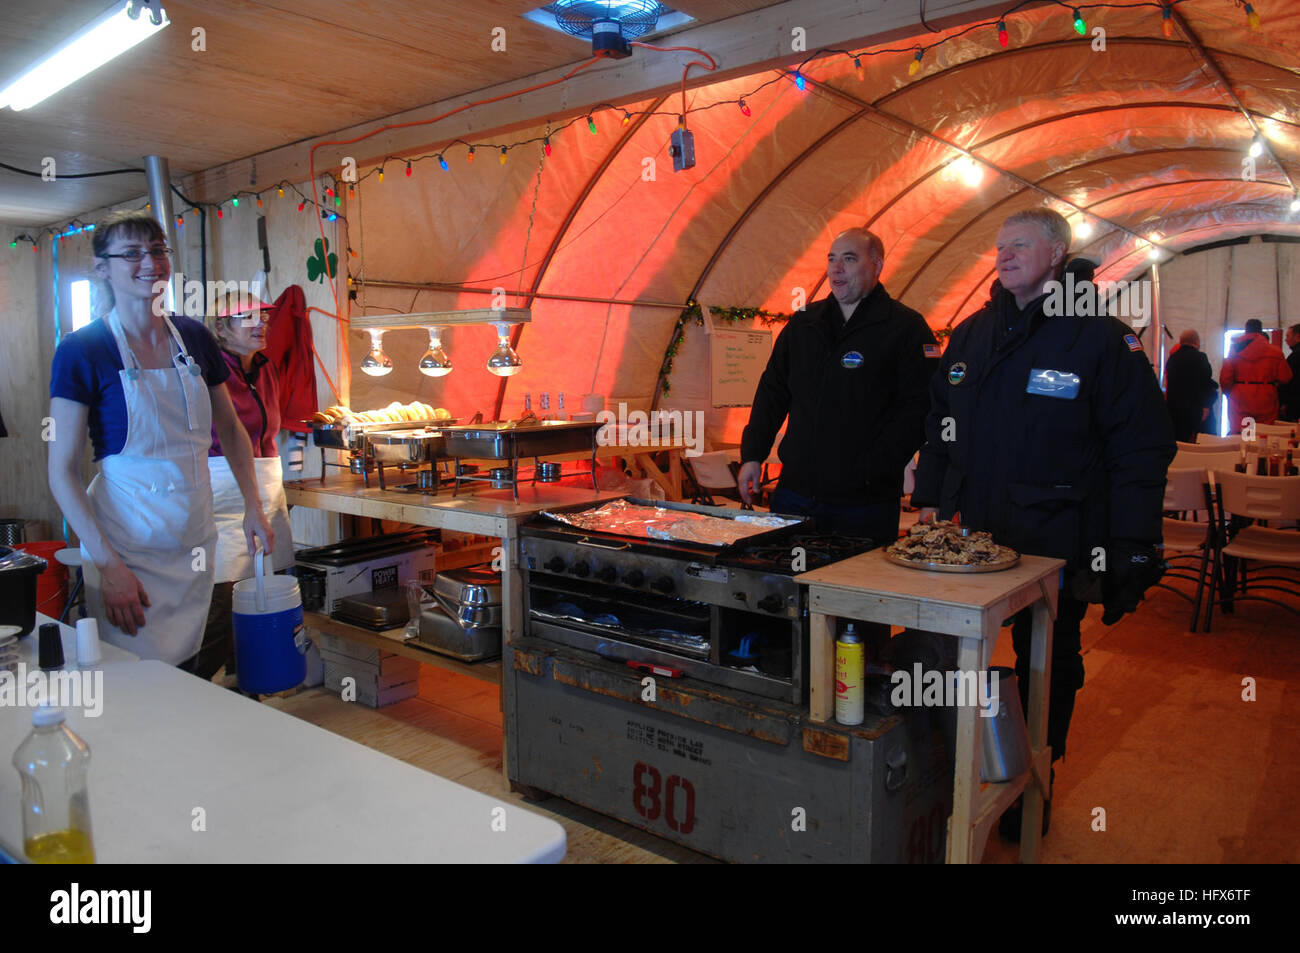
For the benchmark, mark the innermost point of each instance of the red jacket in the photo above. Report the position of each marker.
(1250, 377)
(288, 348)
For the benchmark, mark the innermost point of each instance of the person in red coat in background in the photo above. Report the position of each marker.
(1250, 376)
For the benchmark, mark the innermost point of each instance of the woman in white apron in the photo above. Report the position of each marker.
(147, 389)
(240, 329)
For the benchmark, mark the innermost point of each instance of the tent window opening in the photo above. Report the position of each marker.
(79, 298)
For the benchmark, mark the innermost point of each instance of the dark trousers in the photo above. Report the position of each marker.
(218, 646)
(876, 521)
(1067, 666)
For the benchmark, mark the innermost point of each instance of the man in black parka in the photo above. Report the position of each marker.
(853, 375)
(1190, 389)
(1049, 430)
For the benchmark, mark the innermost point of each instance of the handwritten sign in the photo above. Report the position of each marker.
(737, 360)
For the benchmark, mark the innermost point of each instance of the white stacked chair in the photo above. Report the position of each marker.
(1184, 539)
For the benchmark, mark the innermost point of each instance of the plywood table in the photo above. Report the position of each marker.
(971, 609)
(184, 771)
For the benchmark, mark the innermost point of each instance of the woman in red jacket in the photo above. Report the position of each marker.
(1250, 377)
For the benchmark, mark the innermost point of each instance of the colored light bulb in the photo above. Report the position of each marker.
(1080, 25)
(235, 202)
(744, 109)
(301, 206)
(469, 156)
(442, 163)
(503, 155)
(408, 170)
(627, 117)
(280, 192)
(857, 68)
(799, 82)
(914, 67)
(546, 145)
(219, 212)
(338, 200)
(1003, 36)
(1252, 17)
(1167, 22)
(329, 192)
(259, 201)
(591, 124)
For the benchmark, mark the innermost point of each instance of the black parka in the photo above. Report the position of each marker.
(1047, 475)
(856, 393)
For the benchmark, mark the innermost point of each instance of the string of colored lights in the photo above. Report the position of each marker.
(327, 208)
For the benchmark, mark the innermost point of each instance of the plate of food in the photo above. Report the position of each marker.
(945, 546)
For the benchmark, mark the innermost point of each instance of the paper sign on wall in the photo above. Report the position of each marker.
(736, 362)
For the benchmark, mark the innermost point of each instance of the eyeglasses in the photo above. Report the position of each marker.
(135, 254)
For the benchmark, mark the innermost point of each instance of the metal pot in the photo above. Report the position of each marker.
(18, 572)
(475, 586)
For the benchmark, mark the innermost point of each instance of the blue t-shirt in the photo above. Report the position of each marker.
(86, 369)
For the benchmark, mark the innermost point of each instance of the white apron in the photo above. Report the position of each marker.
(153, 502)
(233, 562)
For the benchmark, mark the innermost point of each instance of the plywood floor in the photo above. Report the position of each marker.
(1162, 742)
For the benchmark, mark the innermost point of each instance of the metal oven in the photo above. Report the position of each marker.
(665, 684)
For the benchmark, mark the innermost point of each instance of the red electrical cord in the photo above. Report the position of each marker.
(711, 65)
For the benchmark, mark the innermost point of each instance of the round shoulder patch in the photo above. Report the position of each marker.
(957, 373)
(851, 360)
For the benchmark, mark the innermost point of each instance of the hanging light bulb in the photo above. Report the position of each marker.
(381, 173)
(857, 68)
(914, 67)
(1167, 22)
(799, 82)
(744, 109)
(1003, 36)
(1256, 148)
(503, 155)
(504, 361)
(301, 206)
(219, 212)
(1252, 18)
(1154, 253)
(234, 201)
(259, 201)
(971, 172)
(469, 156)
(1295, 202)
(1080, 25)
(546, 145)
(377, 363)
(591, 124)
(442, 163)
(280, 191)
(408, 170)
(435, 362)
(1083, 230)
(627, 117)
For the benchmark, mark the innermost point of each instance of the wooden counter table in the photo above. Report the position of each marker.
(970, 608)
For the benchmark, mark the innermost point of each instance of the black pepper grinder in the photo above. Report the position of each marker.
(50, 652)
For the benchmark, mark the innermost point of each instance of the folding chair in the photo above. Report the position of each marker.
(1186, 491)
(1255, 498)
(1193, 457)
(712, 475)
(1209, 440)
(1281, 429)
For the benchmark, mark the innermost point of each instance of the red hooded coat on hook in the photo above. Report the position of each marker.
(288, 348)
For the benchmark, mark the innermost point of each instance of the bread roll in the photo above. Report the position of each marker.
(441, 413)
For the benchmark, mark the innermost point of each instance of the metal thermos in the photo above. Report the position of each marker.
(1006, 738)
(849, 672)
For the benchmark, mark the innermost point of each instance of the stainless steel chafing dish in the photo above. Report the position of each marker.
(508, 441)
(405, 447)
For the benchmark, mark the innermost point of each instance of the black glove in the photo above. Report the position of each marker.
(1132, 569)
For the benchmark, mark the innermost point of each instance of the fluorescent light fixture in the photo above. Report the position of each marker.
(80, 300)
(107, 37)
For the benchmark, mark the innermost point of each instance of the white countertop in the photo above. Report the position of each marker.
(272, 788)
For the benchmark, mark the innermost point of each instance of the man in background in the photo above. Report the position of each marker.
(1289, 393)
(1190, 390)
(1250, 377)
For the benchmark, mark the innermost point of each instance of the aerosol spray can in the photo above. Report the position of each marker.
(849, 667)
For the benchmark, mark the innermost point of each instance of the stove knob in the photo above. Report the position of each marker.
(554, 564)
(607, 574)
(772, 603)
(635, 578)
(581, 570)
(663, 584)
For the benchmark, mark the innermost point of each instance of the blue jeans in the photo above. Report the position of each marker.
(876, 521)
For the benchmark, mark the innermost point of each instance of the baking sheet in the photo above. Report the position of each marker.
(628, 518)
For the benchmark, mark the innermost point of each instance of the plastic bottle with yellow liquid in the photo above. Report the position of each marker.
(52, 763)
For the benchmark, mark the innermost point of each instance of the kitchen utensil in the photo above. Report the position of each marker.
(442, 633)
(18, 574)
(473, 586)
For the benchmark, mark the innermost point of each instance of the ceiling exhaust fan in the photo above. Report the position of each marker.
(609, 24)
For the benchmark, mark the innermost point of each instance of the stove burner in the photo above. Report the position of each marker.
(818, 550)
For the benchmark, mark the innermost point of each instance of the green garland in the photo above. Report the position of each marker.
(693, 312)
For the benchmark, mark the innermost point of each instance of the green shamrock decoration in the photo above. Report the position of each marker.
(318, 265)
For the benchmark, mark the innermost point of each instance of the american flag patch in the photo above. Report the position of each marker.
(932, 350)
(1133, 343)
